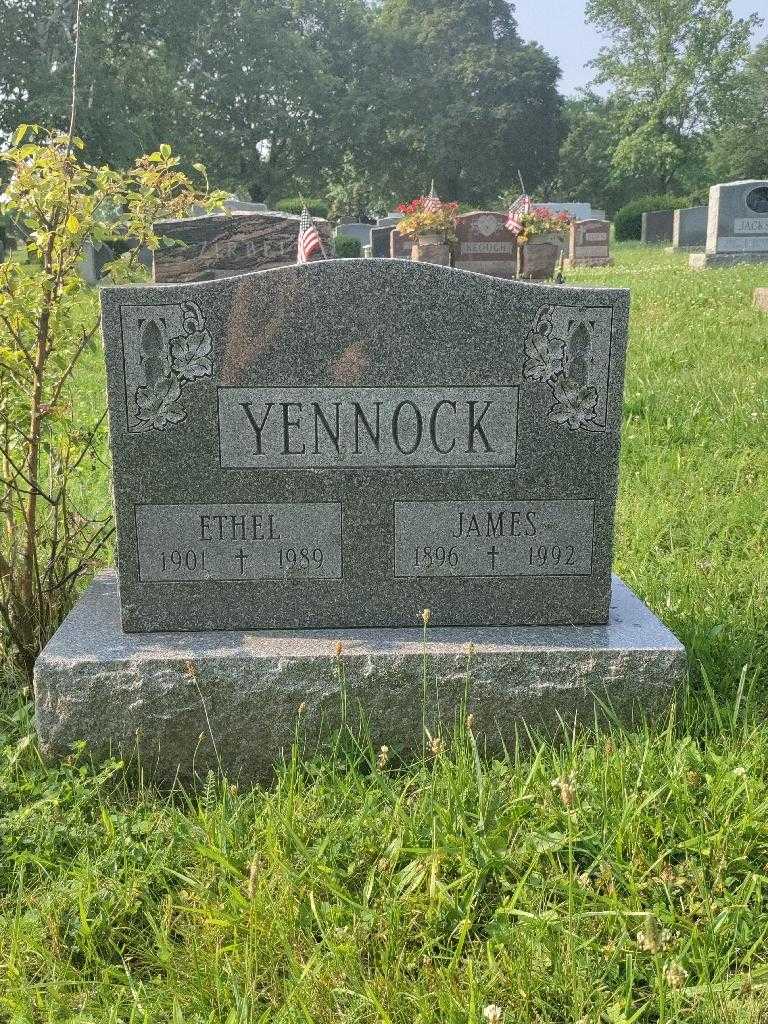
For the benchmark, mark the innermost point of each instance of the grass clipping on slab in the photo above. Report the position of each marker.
(607, 880)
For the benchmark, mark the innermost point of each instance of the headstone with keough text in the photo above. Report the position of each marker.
(344, 443)
(307, 458)
(737, 225)
(485, 244)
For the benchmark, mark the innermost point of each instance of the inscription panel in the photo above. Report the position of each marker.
(185, 543)
(751, 226)
(296, 428)
(743, 243)
(497, 538)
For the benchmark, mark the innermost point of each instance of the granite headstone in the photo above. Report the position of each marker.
(485, 245)
(657, 227)
(689, 228)
(580, 211)
(589, 244)
(219, 245)
(346, 442)
(737, 225)
(400, 245)
(380, 241)
(358, 230)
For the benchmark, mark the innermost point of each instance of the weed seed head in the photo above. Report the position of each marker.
(493, 1013)
(651, 938)
(426, 615)
(675, 975)
(566, 789)
(383, 758)
(436, 745)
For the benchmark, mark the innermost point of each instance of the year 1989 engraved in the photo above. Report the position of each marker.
(498, 538)
(179, 543)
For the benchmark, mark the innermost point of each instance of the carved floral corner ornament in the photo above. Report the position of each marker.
(167, 365)
(563, 360)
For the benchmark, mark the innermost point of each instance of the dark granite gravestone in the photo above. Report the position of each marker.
(737, 225)
(689, 228)
(380, 244)
(382, 412)
(484, 244)
(220, 246)
(589, 243)
(657, 227)
(318, 448)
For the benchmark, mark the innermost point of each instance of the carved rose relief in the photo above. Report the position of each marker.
(568, 350)
(171, 347)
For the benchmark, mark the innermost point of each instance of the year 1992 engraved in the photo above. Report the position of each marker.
(497, 538)
(179, 543)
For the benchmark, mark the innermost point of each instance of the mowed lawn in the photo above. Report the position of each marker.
(611, 879)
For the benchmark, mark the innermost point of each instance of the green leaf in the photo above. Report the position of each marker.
(19, 134)
(165, 150)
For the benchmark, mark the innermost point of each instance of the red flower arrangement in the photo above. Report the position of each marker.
(426, 215)
(540, 221)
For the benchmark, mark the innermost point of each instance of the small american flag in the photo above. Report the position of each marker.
(520, 206)
(309, 238)
(432, 202)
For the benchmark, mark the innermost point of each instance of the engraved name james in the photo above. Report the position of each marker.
(347, 427)
(496, 538)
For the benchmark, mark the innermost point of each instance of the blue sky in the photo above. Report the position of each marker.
(559, 26)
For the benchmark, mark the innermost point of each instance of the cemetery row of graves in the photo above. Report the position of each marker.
(550, 238)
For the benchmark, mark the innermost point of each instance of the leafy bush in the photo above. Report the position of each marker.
(51, 530)
(294, 204)
(628, 221)
(347, 247)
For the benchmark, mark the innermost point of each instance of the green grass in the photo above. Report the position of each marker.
(634, 889)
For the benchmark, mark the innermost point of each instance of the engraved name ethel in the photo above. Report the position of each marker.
(347, 427)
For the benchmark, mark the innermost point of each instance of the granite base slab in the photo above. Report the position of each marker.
(709, 260)
(183, 703)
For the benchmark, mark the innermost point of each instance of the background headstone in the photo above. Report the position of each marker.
(761, 299)
(220, 245)
(347, 442)
(737, 225)
(390, 220)
(360, 231)
(579, 211)
(689, 228)
(380, 244)
(400, 246)
(589, 244)
(657, 227)
(485, 245)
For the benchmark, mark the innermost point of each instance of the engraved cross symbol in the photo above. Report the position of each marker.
(494, 552)
(243, 558)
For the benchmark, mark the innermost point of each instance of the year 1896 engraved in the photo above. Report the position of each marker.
(179, 543)
(496, 538)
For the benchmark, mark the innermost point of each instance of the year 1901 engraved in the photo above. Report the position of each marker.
(496, 538)
(179, 543)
